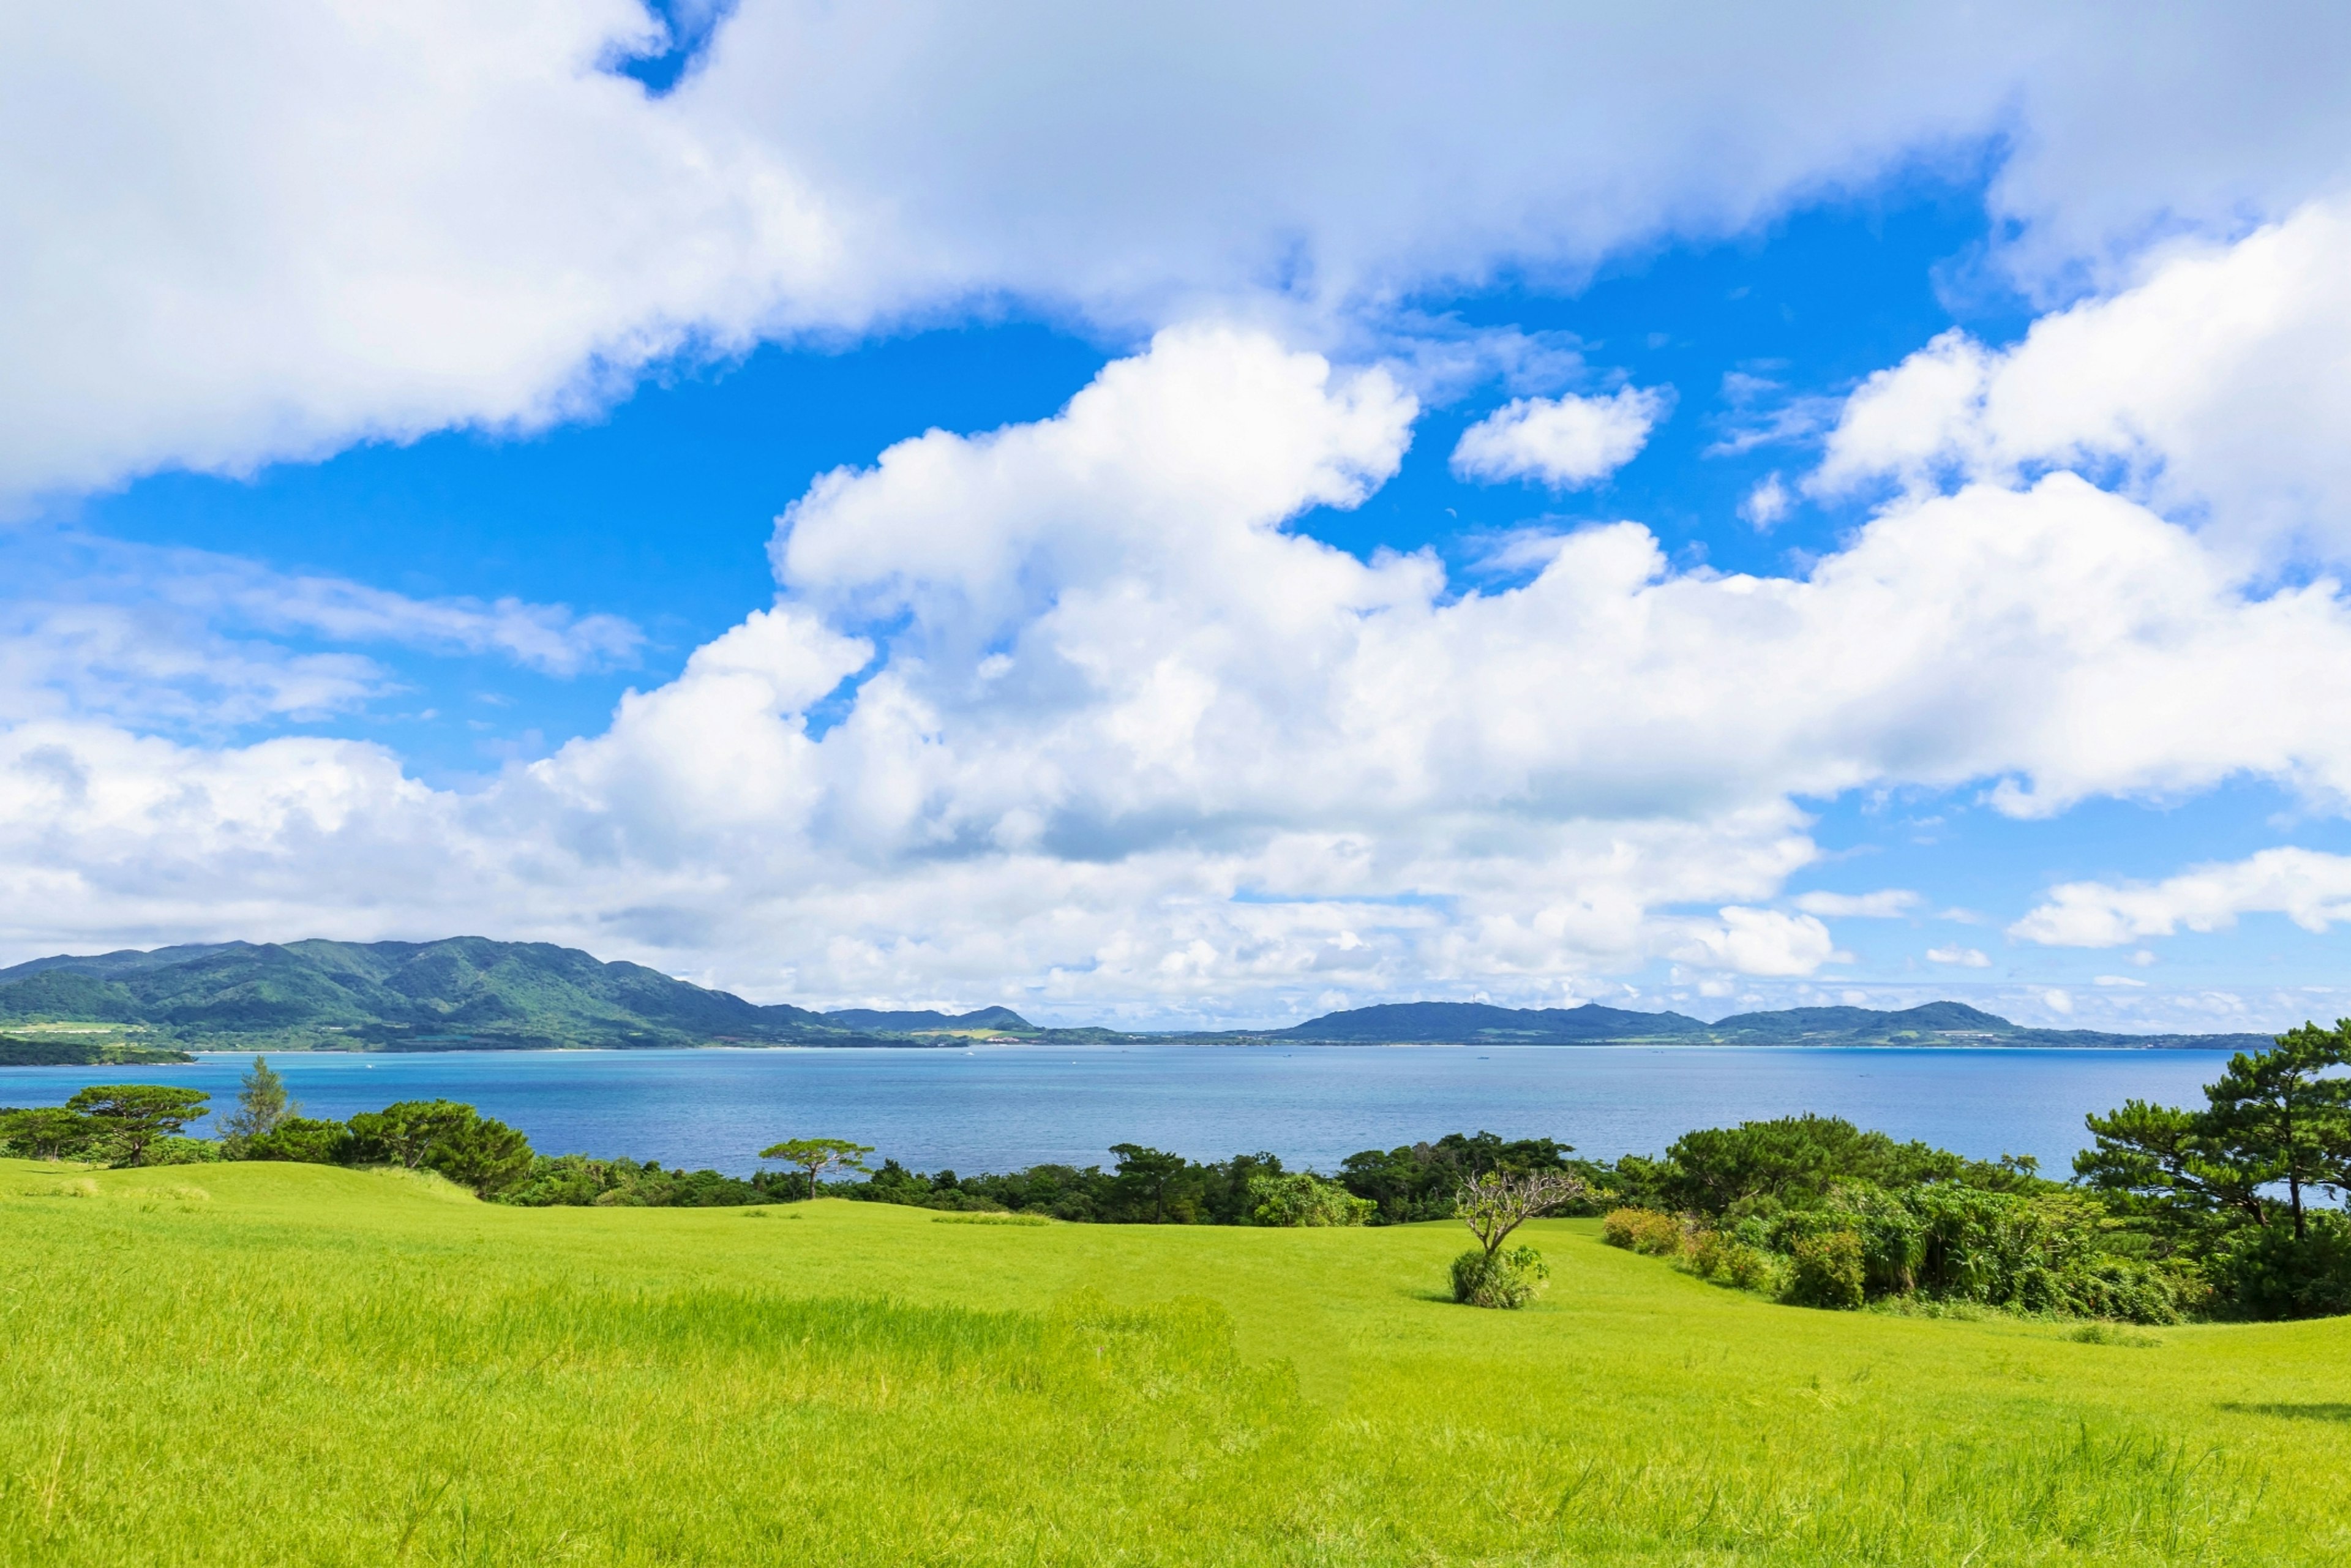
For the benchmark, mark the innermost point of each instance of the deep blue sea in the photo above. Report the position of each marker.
(1001, 1107)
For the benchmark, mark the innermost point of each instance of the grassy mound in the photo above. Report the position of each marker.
(283, 1364)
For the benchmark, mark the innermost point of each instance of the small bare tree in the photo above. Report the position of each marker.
(1498, 1202)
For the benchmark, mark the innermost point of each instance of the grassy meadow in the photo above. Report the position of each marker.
(281, 1363)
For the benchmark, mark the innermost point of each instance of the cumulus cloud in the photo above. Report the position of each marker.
(267, 230)
(1964, 957)
(2311, 888)
(2219, 385)
(1102, 728)
(1566, 442)
(1767, 503)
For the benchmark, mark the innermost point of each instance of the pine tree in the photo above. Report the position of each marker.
(261, 1104)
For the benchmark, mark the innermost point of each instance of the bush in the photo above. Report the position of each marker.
(1724, 1259)
(1828, 1271)
(174, 1150)
(443, 1135)
(1644, 1232)
(2269, 1272)
(304, 1140)
(1504, 1280)
(1300, 1198)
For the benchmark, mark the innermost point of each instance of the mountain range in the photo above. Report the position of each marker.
(1935, 1023)
(469, 993)
(466, 993)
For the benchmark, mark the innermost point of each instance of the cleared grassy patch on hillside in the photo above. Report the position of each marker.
(285, 1364)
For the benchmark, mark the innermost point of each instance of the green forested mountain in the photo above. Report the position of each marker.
(463, 993)
(469, 993)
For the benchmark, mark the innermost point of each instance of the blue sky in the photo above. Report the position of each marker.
(441, 583)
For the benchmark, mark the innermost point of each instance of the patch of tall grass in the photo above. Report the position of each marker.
(324, 1366)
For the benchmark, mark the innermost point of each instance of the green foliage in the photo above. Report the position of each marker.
(1148, 1186)
(1765, 1167)
(1506, 1279)
(1154, 1185)
(1827, 1269)
(171, 1150)
(1420, 1181)
(442, 1135)
(816, 1155)
(2268, 1272)
(131, 1117)
(484, 1154)
(304, 1139)
(49, 1133)
(81, 1047)
(1302, 1198)
(1644, 1231)
(2044, 1253)
(2204, 1186)
(262, 1103)
(300, 1365)
(1723, 1258)
(575, 1180)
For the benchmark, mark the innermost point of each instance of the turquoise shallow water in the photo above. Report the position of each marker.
(1000, 1107)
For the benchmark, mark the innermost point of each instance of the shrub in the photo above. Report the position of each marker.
(1641, 1230)
(2130, 1290)
(1300, 1197)
(1723, 1258)
(2269, 1272)
(173, 1150)
(1828, 1271)
(1504, 1280)
(305, 1140)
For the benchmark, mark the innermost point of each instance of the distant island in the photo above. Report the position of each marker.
(1935, 1023)
(469, 993)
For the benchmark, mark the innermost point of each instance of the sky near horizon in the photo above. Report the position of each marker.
(1196, 518)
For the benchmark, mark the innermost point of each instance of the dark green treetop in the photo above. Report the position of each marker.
(132, 1116)
(816, 1155)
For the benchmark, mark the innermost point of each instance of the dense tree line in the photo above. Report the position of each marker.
(2207, 1211)
(2210, 1210)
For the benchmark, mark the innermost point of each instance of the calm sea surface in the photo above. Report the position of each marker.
(1001, 1107)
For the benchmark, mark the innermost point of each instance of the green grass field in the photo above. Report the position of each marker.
(297, 1365)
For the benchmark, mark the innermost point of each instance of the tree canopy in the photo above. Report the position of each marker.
(816, 1155)
(134, 1116)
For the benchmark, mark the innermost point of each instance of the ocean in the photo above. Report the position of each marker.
(999, 1107)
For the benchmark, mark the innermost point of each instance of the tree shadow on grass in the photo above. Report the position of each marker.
(2316, 1412)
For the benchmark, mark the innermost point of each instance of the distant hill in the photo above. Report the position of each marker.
(469, 993)
(462, 993)
(1935, 1023)
(35, 1048)
(1433, 1022)
(1003, 1019)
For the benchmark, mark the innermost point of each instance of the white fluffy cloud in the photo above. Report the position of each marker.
(264, 230)
(2310, 888)
(1964, 957)
(1109, 732)
(1565, 442)
(2221, 383)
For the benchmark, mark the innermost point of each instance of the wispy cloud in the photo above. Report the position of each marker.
(1885, 904)
(139, 633)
